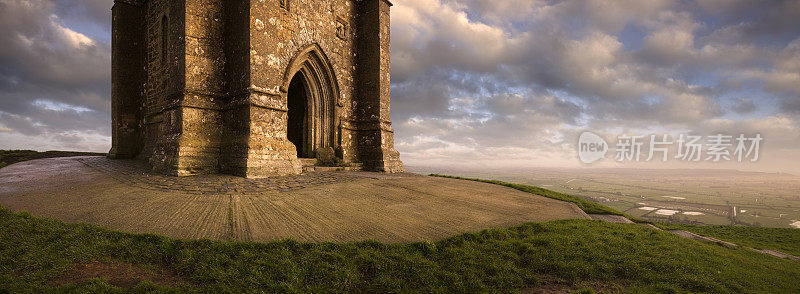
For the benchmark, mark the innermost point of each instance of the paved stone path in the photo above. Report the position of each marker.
(136, 174)
(696, 237)
(324, 206)
(611, 218)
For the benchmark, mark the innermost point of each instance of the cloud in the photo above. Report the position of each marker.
(669, 46)
(97, 12)
(491, 83)
(421, 97)
(635, 66)
(40, 51)
(743, 105)
(430, 34)
(753, 21)
(54, 80)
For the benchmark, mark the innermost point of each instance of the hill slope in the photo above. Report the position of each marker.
(38, 254)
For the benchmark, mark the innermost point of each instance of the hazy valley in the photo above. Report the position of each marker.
(712, 197)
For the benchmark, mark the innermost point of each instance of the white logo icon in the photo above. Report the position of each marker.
(591, 147)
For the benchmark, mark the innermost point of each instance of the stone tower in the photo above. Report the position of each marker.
(249, 87)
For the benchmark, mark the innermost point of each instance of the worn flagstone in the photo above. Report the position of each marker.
(322, 206)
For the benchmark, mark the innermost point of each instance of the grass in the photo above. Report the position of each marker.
(782, 239)
(578, 253)
(785, 240)
(9, 157)
(586, 205)
(575, 254)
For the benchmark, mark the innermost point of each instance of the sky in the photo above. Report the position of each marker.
(482, 84)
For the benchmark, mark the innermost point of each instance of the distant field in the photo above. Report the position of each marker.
(9, 157)
(700, 197)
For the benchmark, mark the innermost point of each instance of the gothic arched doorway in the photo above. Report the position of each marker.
(312, 96)
(297, 130)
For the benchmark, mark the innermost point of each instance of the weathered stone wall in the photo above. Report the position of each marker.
(278, 34)
(236, 116)
(374, 132)
(128, 79)
(202, 103)
(215, 98)
(165, 64)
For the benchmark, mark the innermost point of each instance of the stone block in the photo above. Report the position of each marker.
(204, 86)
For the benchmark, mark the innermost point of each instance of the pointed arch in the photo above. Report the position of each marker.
(322, 92)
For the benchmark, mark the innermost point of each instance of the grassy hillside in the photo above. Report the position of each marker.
(781, 239)
(8, 157)
(37, 254)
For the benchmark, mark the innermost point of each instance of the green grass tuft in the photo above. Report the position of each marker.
(571, 252)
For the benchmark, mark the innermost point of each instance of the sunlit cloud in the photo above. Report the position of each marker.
(483, 83)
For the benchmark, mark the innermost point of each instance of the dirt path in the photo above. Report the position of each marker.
(335, 206)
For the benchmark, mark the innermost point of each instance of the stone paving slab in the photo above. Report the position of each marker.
(136, 173)
(328, 206)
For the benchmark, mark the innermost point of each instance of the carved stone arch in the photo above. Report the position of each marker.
(323, 96)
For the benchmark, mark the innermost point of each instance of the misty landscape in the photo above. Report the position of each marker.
(707, 197)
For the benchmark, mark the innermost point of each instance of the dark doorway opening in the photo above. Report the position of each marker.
(297, 131)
